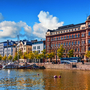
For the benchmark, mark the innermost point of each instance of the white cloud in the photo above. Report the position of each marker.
(1, 17)
(10, 29)
(46, 22)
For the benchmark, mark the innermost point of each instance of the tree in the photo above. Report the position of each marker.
(31, 55)
(50, 55)
(36, 54)
(15, 57)
(43, 54)
(24, 56)
(0, 57)
(10, 57)
(4, 57)
(88, 54)
(70, 53)
(60, 51)
(20, 53)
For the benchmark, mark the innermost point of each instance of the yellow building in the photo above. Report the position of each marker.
(24, 46)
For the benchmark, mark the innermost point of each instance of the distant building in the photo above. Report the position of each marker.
(76, 37)
(24, 46)
(38, 46)
(8, 47)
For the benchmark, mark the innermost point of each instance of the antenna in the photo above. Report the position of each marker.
(18, 47)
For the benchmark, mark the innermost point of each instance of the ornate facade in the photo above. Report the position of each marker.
(76, 37)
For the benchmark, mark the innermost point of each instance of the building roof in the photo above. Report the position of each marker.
(67, 27)
(38, 42)
(88, 18)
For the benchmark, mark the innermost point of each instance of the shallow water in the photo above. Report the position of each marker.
(26, 79)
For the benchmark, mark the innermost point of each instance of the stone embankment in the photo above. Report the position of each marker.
(75, 66)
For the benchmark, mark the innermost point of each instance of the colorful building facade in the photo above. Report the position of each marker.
(76, 37)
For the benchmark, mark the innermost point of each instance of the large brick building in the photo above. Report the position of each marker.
(76, 37)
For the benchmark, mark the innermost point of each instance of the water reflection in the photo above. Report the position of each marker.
(29, 80)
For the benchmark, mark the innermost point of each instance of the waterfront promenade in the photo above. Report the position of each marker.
(72, 66)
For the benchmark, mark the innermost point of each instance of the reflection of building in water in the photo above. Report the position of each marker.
(30, 80)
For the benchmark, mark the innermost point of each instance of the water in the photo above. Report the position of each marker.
(26, 79)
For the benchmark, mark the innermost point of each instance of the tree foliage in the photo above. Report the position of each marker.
(50, 55)
(88, 54)
(43, 54)
(10, 57)
(70, 53)
(15, 57)
(60, 51)
(0, 57)
(31, 55)
(24, 56)
(4, 57)
(20, 53)
(36, 54)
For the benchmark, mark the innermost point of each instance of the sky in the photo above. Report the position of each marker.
(30, 19)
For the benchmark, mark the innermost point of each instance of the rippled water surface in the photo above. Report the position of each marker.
(26, 79)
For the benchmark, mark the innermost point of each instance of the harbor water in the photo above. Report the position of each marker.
(26, 79)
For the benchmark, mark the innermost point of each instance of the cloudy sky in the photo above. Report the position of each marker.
(32, 18)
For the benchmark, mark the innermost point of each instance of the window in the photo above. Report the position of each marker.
(59, 44)
(75, 42)
(61, 38)
(83, 34)
(89, 33)
(78, 35)
(56, 38)
(72, 36)
(78, 42)
(38, 47)
(34, 47)
(38, 51)
(89, 48)
(89, 41)
(47, 39)
(78, 49)
(56, 45)
(51, 39)
(66, 37)
(66, 43)
(69, 43)
(72, 43)
(75, 36)
(69, 36)
(88, 25)
(75, 49)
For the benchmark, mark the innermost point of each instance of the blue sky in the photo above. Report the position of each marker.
(32, 18)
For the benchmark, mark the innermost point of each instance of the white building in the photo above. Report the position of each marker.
(38, 46)
(7, 47)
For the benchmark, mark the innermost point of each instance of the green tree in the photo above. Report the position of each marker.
(10, 57)
(24, 56)
(36, 54)
(88, 54)
(50, 55)
(31, 55)
(70, 53)
(4, 58)
(60, 51)
(43, 54)
(15, 57)
(20, 53)
(0, 57)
